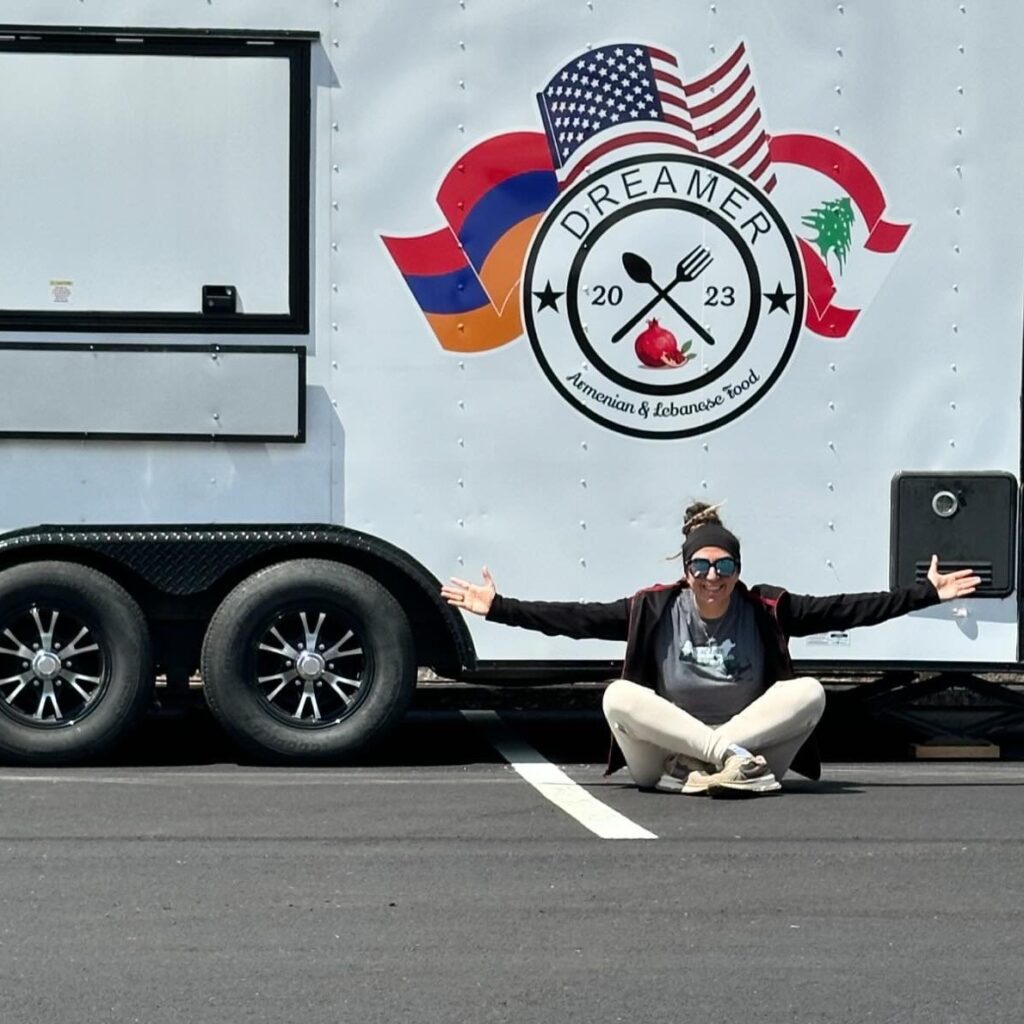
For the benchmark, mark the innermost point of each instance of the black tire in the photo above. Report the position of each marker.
(75, 663)
(263, 686)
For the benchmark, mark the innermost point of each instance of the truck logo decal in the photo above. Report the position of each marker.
(670, 266)
(659, 248)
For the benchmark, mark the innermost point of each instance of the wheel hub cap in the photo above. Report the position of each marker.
(309, 665)
(46, 665)
(38, 684)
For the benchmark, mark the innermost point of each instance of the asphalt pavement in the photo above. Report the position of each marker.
(434, 883)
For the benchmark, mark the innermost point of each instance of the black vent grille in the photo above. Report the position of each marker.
(975, 527)
(983, 570)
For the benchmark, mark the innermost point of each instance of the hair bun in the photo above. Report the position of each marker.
(700, 513)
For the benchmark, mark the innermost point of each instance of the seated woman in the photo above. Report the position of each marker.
(709, 702)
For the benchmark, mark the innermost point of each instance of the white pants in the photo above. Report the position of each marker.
(649, 728)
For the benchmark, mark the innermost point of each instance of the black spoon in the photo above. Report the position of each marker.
(640, 271)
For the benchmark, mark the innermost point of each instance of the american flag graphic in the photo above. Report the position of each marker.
(623, 94)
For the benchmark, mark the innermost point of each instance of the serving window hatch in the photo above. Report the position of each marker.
(154, 181)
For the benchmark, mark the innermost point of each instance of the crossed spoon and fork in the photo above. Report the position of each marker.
(689, 268)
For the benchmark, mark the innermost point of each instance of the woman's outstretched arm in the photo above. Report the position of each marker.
(803, 614)
(581, 620)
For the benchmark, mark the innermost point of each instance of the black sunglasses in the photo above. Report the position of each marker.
(726, 566)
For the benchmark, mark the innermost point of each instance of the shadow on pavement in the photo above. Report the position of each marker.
(564, 724)
(191, 736)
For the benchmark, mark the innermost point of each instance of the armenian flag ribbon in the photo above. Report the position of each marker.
(465, 276)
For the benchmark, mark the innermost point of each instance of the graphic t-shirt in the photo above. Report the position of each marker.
(714, 668)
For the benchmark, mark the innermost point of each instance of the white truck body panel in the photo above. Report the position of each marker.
(471, 458)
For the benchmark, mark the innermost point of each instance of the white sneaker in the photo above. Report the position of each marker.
(742, 776)
(688, 778)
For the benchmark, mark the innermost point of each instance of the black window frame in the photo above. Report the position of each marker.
(293, 46)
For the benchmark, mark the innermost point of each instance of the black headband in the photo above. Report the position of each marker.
(711, 535)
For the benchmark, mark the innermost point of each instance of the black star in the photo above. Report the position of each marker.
(548, 298)
(778, 299)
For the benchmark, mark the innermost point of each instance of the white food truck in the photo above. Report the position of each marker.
(308, 305)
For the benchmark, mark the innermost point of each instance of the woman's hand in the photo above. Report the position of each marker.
(950, 585)
(471, 597)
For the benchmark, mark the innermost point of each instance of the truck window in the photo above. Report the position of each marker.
(140, 169)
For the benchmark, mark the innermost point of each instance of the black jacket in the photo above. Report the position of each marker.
(778, 613)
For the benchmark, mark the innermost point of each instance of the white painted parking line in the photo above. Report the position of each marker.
(341, 777)
(553, 784)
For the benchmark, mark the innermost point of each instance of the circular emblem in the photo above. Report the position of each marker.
(663, 295)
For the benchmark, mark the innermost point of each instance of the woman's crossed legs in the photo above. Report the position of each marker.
(649, 728)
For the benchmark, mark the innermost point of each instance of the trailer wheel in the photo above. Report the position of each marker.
(308, 661)
(75, 663)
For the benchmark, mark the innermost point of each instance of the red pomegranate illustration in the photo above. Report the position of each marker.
(656, 346)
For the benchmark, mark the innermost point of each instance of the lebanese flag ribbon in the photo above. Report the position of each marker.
(852, 175)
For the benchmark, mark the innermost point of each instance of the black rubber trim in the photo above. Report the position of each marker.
(558, 672)
(541, 673)
(834, 667)
(26, 34)
(1020, 569)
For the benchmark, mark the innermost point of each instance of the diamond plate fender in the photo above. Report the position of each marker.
(185, 561)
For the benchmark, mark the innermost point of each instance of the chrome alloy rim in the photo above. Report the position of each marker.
(311, 667)
(52, 669)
